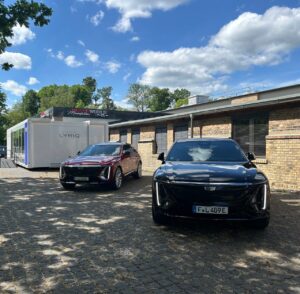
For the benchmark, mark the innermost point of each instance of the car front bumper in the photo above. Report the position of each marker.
(243, 201)
(85, 174)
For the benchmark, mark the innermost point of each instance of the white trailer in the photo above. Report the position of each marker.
(43, 143)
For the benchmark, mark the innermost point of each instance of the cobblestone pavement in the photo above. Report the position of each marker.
(100, 241)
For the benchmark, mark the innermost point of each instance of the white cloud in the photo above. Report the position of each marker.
(97, 18)
(123, 103)
(21, 35)
(13, 87)
(92, 56)
(112, 66)
(95, 1)
(131, 9)
(135, 39)
(126, 77)
(250, 40)
(81, 43)
(71, 61)
(19, 60)
(60, 55)
(33, 81)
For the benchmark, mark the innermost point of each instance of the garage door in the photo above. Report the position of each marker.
(161, 139)
(123, 136)
(135, 138)
(180, 132)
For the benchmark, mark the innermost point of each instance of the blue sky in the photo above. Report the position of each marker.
(209, 47)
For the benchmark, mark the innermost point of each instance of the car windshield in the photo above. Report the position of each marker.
(215, 151)
(101, 150)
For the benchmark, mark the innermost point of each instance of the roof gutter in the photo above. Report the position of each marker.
(213, 110)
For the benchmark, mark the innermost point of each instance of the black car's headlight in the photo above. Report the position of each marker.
(161, 195)
(260, 199)
(157, 193)
(260, 177)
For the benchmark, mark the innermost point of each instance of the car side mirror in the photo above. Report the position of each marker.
(161, 157)
(251, 156)
(126, 152)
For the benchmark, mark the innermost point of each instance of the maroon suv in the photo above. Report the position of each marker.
(101, 163)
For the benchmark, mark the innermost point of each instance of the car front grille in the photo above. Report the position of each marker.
(233, 195)
(84, 171)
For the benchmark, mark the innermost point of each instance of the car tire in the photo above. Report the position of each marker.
(68, 186)
(118, 179)
(138, 173)
(157, 217)
(260, 224)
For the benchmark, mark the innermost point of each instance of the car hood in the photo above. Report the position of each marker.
(92, 160)
(207, 172)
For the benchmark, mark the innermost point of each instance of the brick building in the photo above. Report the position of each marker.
(266, 123)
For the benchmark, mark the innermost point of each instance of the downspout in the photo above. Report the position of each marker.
(192, 125)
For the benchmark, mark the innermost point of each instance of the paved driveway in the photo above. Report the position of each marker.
(95, 241)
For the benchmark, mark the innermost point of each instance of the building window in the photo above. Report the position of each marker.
(135, 138)
(161, 139)
(251, 134)
(123, 136)
(181, 132)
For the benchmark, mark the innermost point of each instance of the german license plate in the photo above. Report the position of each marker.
(210, 209)
(81, 179)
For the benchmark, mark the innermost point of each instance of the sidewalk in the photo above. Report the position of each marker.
(19, 172)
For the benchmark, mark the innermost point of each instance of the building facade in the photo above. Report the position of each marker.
(266, 123)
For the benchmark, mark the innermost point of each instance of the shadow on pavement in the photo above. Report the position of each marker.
(100, 240)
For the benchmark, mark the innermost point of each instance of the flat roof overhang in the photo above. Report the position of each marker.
(271, 102)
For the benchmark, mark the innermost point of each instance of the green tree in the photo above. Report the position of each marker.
(180, 97)
(81, 93)
(54, 95)
(90, 83)
(31, 102)
(16, 114)
(138, 95)
(21, 12)
(160, 99)
(106, 101)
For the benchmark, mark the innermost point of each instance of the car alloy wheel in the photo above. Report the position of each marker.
(139, 171)
(118, 179)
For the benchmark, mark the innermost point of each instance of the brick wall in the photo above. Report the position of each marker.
(147, 132)
(149, 159)
(114, 135)
(214, 127)
(282, 162)
(283, 149)
(170, 135)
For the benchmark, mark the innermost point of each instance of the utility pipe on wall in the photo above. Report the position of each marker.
(192, 125)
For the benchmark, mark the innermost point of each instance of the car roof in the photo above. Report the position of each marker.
(111, 143)
(205, 139)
